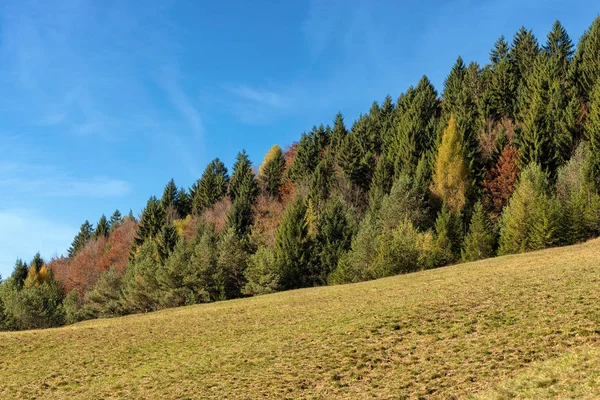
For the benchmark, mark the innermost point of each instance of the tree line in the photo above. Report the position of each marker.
(505, 160)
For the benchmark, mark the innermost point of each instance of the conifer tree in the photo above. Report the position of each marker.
(450, 180)
(448, 235)
(357, 155)
(183, 203)
(586, 69)
(261, 274)
(166, 241)
(85, 234)
(320, 187)
(151, 222)
(592, 129)
(212, 186)
(502, 86)
(203, 266)
(19, 273)
(338, 134)
(523, 53)
(479, 242)
(271, 171)
(141, 290)
(307, 158)
(169, 197)
(243, 182)
(231, 265)
(115, 220)
(335, 229)
(102, 228)
(105, 299)
(293, 248)
(559, 47)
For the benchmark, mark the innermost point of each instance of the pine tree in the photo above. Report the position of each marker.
(84, 235)
(293, 248)
(212, 186)
(203, 266)
(115, 220)
(479, 242)
(357, 155)
(261, 274)
(320, 187)
(450, 180)
(271, 171)
(141, 290)
(105, 299)
(102, 228)
(523, 53)
(19, 273)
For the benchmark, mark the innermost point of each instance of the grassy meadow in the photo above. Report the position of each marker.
(525, 326)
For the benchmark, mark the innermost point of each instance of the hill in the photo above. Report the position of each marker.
(486, 328)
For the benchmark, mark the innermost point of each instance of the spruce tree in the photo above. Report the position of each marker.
(307, 158)
(115, 220)
(523, 53)
(479, 242)
(141, 290)
(169, 197)
(151, 222)
(502, 86)
(19, 273)
(592, 129)
(203, 266)
(293, 248)
(212, 186)
(166, 241)
(338, 134)
(243, 182)
(335, 229)
(183, 203)
(102, 228)
(559, 47)
(586, 68)
(84, 235)
(357, 155)
(261, 274)
(271, 171)
(448, 235)
(231, 265)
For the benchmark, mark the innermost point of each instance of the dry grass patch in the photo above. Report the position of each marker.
(451, 332)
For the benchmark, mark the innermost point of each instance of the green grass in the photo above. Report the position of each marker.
(525, 325)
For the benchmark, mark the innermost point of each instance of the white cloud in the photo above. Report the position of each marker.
(24, 232)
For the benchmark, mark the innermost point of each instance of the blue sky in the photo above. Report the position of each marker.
(104, 101)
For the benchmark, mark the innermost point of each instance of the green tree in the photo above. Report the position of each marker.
(586, 68)
(293, 247)
(529, 220)
(479, 242)
(141, 290)
(335, 229)
(183, 203)
(106, 298)
(231, 264)
(357, 155)
(523, 53)
(115, 220)
(502, 86)
(102, 228)
(271, 171)
(262, 276)
(203, 266)
(151, 222)
(592, 129)
(166, 241)
(169, 197)
(177, 279)
(84, 235)
(448, 236)
(307, 157)
(338, 134)
(212, 186)
(559, 47)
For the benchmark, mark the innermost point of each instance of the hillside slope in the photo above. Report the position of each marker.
(460, 330)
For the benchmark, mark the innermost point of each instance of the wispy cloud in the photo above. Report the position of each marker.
(24, 232)
(256, 105)
(49, 181)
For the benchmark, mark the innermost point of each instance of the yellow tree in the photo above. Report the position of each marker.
(450, 181)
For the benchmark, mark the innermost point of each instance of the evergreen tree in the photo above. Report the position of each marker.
(502, 86)
(166, 241)
(528, 222)
(559, 47)
(592, 129)
(479, 242)
(85, 234)
(37, 262)
(102, 228)
(307, 158)
(357, 155)
(19, 273)
(416, 121)
(319, 188)
(231, 264)
(212, 186)
(335, 229)
(141, 290)
(450, 180)
(115, 220)
(169, 197)
(105, 299)
(203, 266)
(243, 182)
(586, 69)
(523, 53)
(293, 248)
(261, 274)
(338, 134)
(183, 203)
(271, 171)
(448, 235)
(151, 222)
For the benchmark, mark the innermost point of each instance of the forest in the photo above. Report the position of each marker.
(506, 159)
